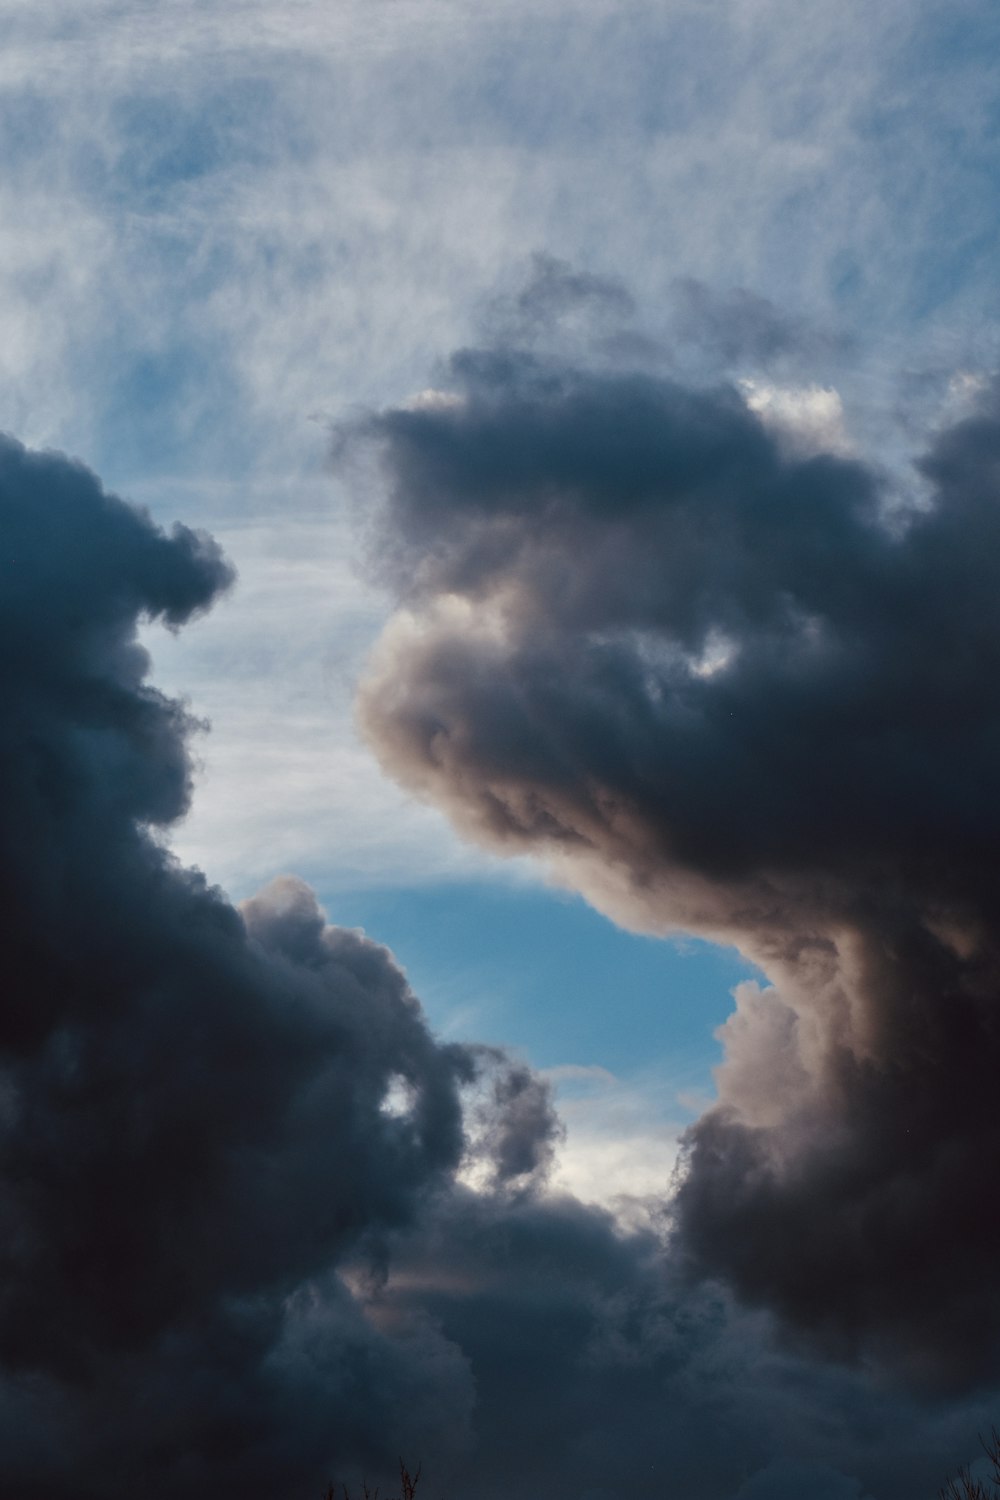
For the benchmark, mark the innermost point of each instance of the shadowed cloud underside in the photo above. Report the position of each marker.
(729, 684)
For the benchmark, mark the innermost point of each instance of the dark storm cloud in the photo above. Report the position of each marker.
(236, 1257)
(749, 694)
(600, 1374)
(192, 1099)
(237, 1254)
(515, 1123)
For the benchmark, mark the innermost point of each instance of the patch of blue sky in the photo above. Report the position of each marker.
(540, 970)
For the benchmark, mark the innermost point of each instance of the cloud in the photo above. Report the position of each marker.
(598, 1370)
(787, 1481)
(260, 1226)
(192, 1096)
(512, 1127)
(810, 419)
(740, 328)
(188, 315)
(621, 1144)
(240, 1251)
(730, 686)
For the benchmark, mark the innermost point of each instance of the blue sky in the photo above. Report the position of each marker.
(229, 228)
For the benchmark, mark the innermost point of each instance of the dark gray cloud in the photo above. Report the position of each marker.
(240, 1253)
(738, 328)
(730, 689)
(601, 1373)
(194, 1118)
(514, 1125)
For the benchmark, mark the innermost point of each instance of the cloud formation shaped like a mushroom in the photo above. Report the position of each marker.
(733, 685)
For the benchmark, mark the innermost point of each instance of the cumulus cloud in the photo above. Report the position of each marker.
(260, 1226)
(193, 1097)
(514, 1126)
(730, 684)
(192, 1128)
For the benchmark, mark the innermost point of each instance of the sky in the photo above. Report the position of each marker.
(498, 536)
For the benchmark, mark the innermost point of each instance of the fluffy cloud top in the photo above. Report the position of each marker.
(734, 685)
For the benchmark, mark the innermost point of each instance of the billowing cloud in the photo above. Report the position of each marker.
(197, 1118)
(733, 685)
(260, 1228)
